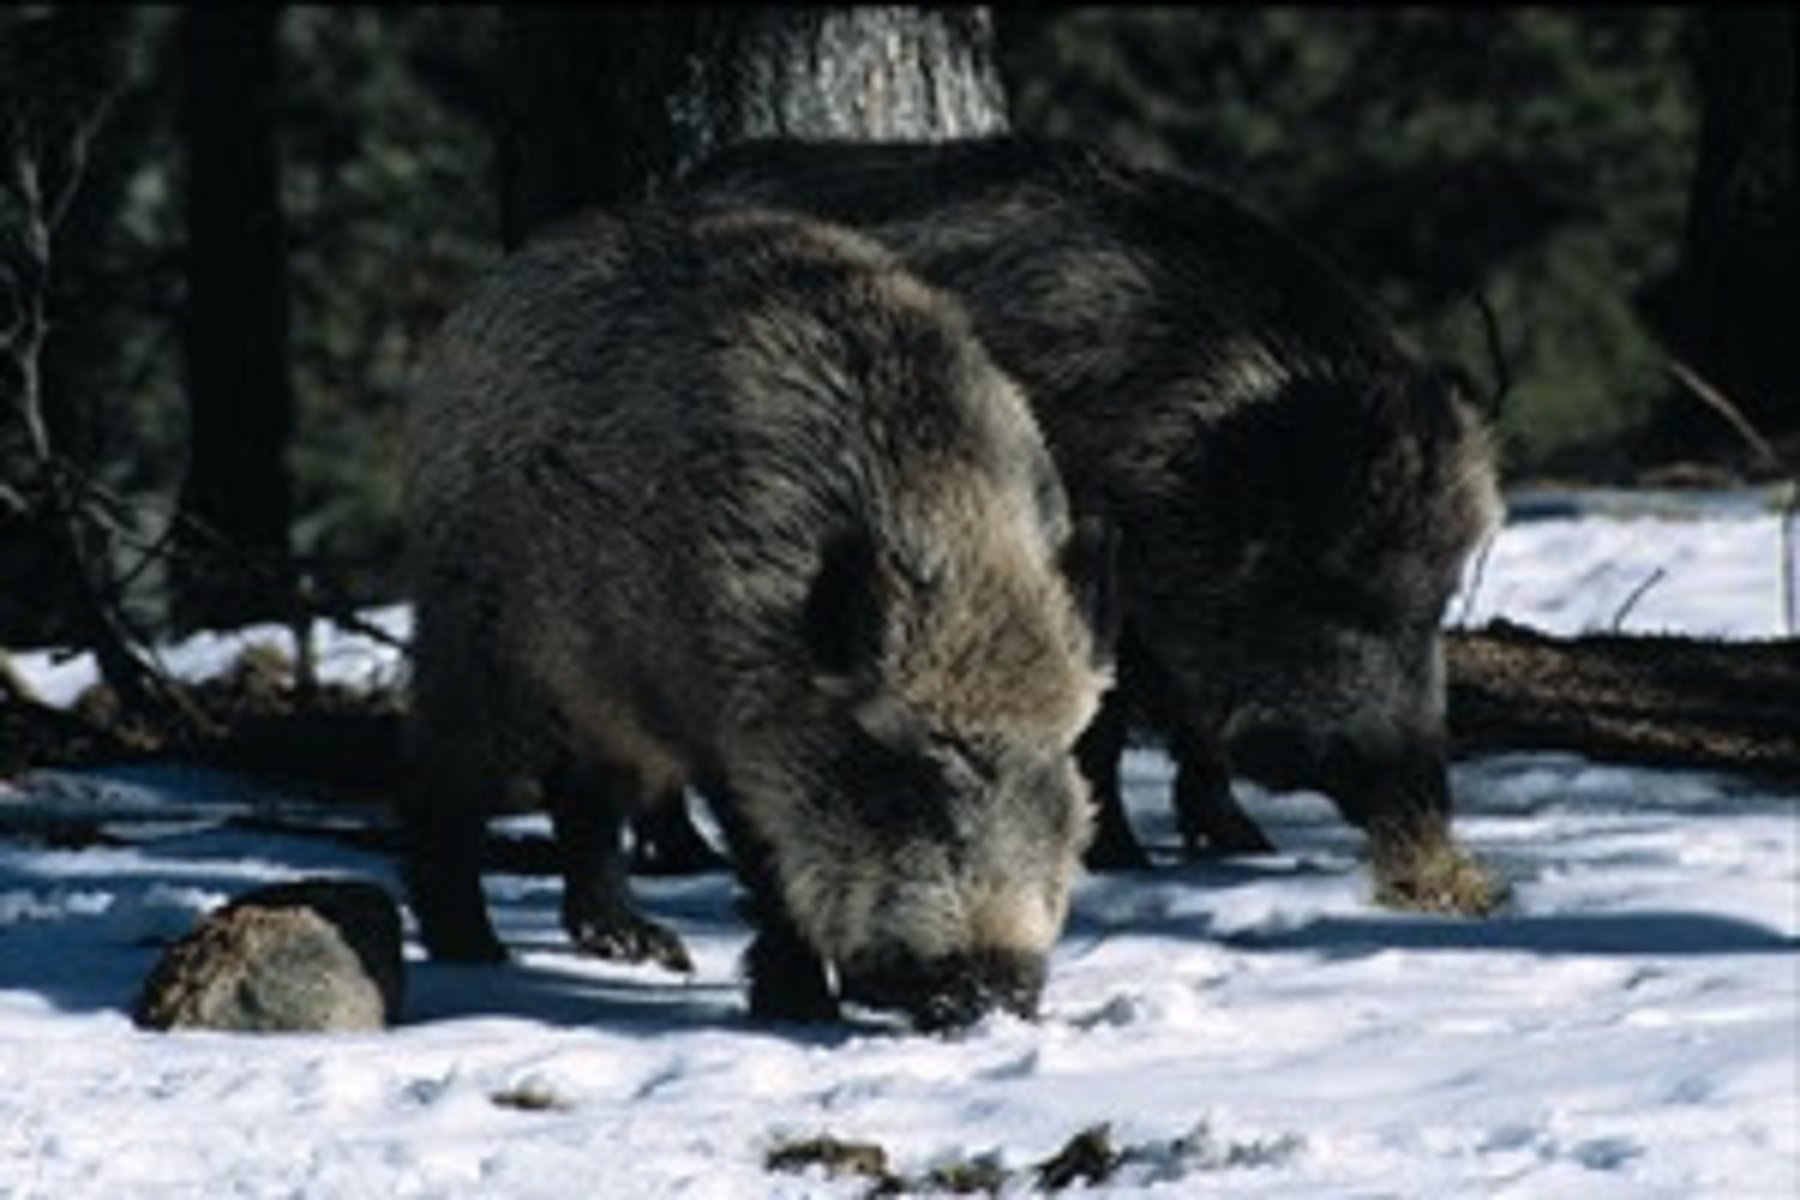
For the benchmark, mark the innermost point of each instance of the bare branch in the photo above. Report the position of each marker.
(48, 127)
(1790, 601)
(1637, 593)
(1734, 416)
(80, 137)
(13, 500)
(345, 618)
(1503, 381)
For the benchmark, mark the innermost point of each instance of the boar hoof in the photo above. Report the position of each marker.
(1233, 836)
(629, 938)
(787, 981)
(1434, 875)
(672, 846)
(1211, 820)
(1116, 853)
(777, 1000)
(475, 946)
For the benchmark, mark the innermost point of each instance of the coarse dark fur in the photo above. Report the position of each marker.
(1296, 492)
(731, 498)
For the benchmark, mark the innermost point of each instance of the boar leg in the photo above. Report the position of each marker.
(443, 823)
(1114, 847)
(586, 807)
(1418, 866)
(1404, 806)
(1206, 811)
(666, 841)
(786, 977)
(787, 980)
(1400, 799)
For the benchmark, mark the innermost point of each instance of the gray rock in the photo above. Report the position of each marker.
(316, 955)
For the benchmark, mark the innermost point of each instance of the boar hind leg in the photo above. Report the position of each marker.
(443, 824)
(587, 807)
(1114, 847)
(666, 841)
(1207, 813)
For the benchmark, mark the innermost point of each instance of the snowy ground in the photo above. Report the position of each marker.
(1630, 1028)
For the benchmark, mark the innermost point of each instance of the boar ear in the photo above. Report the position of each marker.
(1089, 560)
(1455, 381)
(842, 623)
(1444, 402)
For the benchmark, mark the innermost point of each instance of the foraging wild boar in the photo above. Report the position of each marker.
(1295, 492)
(731, 498)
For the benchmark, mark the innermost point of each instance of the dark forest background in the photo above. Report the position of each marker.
(242, 223)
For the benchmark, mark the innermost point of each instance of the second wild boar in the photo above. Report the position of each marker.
(1295, 491)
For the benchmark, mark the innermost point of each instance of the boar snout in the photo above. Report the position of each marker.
(949, 992)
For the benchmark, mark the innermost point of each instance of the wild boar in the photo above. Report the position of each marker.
(730, 498)
(1295, 491)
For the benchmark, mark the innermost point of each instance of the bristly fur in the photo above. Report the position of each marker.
(1296, 491)
(691, 494)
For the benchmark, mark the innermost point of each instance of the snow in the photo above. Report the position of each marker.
(1571, 574)
(1629, 1027)
(349, 657)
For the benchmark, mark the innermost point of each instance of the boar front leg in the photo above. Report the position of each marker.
(443, 822)
(786, 976)
(787, 979)
(587, 806)
(666, 842)
(1102, 744)
(1404, 804)
(1206, 811)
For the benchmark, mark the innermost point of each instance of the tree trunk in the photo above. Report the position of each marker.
(603, 104)
(232, 548)
(1740, 277)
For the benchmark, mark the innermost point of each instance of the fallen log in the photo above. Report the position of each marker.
(1664, 701)
(1667, 701)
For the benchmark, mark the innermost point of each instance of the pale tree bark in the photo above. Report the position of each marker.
(602, 105)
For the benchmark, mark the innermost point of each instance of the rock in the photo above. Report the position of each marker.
(316, 955)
